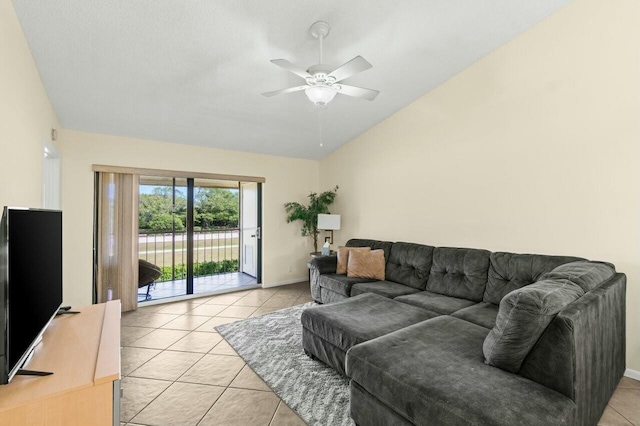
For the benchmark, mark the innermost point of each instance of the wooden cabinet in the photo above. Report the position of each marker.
(83, 352)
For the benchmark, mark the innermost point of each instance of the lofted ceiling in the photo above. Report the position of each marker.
(192, 72)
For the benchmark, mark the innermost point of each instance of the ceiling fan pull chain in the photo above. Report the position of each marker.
(319, 127)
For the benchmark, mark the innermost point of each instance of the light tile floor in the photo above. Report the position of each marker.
(177, 371)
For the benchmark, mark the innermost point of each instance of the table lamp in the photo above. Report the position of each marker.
(329, 222)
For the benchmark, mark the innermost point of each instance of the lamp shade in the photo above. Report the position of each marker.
(329, 222)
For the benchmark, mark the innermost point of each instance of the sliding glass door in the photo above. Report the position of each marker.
(162, 237)
(202, 233)
(216, 234)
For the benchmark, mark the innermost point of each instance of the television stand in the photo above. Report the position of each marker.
(84, 353)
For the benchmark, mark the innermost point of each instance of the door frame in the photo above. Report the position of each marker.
(260, 236)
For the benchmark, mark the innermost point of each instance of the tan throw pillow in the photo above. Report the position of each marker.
(366, 264)
(343, 257)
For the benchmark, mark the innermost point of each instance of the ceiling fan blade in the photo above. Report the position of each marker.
(358, 92)
(291, 68)
(354, 66)
(281, 91)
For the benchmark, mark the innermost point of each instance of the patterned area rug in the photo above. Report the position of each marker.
(272, 346)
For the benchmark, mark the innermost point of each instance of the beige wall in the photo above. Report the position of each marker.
(26, 116)
(535, 148)
(286, 180)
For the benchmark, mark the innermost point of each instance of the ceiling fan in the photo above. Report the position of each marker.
(322, 83)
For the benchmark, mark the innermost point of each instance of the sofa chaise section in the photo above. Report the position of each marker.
(328, 332)
(432, 373)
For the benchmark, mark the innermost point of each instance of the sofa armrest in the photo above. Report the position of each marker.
(582, 352)
(324, 264)
(317, 266)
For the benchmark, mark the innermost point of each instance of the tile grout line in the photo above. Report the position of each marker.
(174, 381)
(275, 412)
(167, 380)
(624, 417)
(300, 294)
(225, 389)
(633, 422)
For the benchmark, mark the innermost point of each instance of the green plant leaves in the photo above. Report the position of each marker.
(199, 269)
(308, 215)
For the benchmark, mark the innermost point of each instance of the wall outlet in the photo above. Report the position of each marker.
(289, 269)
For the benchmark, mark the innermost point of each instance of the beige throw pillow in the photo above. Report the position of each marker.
(343, 257)
(366, 264)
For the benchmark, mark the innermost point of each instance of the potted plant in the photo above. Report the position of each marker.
(318, 204)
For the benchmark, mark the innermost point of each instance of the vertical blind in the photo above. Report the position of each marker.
(117, 257)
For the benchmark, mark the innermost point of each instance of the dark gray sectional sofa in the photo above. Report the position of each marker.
(457, 336)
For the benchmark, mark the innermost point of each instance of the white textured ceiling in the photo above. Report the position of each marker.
(192, 71)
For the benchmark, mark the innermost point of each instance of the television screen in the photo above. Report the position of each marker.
(33, 278)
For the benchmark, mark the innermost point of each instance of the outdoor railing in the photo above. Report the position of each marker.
(214, 252)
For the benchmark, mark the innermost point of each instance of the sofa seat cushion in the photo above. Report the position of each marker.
(383, 288)
(435, 302)
(482, 314)
(327, 296)
(433, 373)
(355, 320)
(340, 284)
(459, 272)
(511, 271)
(360, 318)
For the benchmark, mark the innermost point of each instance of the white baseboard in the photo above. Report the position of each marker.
(633, 374)
(287, 282)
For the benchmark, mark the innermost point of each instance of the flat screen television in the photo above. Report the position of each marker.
(30, 282)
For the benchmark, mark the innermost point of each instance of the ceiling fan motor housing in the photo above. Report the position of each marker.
(320, 73)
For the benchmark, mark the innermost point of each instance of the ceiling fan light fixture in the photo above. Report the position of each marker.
(321, 83)
(321, 94)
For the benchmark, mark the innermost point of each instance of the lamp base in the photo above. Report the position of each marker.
(330, 237)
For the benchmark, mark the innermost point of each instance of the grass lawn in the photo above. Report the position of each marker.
(157, 248)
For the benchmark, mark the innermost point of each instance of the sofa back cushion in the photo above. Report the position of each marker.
(510, 271)
(588, 275)
(459, 272)
(523, 316)
(366, 264)
(343, 258)
(374, 244)
(409, 264)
